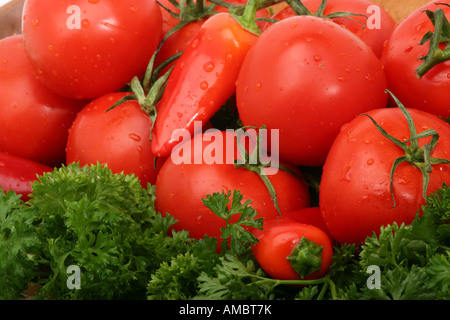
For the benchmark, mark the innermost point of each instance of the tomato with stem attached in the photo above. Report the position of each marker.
(205, 164)
(370, 22)
(290, 250)
(118, 137)
(380, 169)
(416, 60)
(203, 78)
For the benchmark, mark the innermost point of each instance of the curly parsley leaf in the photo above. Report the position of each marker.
(18, 243)
(105, 224)
(235, 231)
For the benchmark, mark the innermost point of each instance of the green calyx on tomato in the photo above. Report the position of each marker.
(306, 257)
(188, 11)
(440, 35)
(301, 10)
(414, 154)
(146, 92)
(253, 163)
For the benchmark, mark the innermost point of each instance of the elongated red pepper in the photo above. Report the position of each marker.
(17, 174)
(202, 80)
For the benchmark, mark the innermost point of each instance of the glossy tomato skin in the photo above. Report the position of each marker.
(400, 58)
(276, 242)
(202, 80)
(180, 186)
(17, 174)
(118, 138)
(355, 195)
(374, 30)
(307, 76)
(34, 121)
(309, 215)
(90, 48)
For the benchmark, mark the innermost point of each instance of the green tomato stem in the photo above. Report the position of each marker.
(440, 35)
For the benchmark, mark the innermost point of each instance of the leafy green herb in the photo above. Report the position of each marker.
(239, 236)
(106, 224)
(18, 242)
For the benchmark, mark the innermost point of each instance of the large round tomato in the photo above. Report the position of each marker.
(306, 76)
(118, 138)
(182, 184)
(402, 56)
(355, 192)
(33, 119)
(373, 24)
(290, 250)
(87, 48)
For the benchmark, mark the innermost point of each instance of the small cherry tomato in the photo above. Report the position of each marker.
(290, 250)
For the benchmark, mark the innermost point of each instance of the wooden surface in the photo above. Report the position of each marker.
(10, 18)
(400, 9)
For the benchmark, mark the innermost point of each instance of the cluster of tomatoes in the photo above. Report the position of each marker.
(322, 82)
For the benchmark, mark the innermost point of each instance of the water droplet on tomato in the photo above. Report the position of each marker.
(409, 49)
(208, 67)
(204, 85)
(139, 149)
(35, 22)
(258, 86)
(133, 9)
(448, 75)
(342, 79)
(370, 162)
(135, 137)
(194, 43)
(50, 47)
(317, 58)
(85, 23)
(2, 164)
(293, 25)
(94, 1)
(180, 115)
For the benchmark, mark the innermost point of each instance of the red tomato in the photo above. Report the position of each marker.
(307, 76)
(277, 240)
(355, 193)
(310, 215)
(374, 29)
(119, 137)
(33, 119)
(431, 93)
(202, 80)
(17, 174)
(89, 48)
(181, 185)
